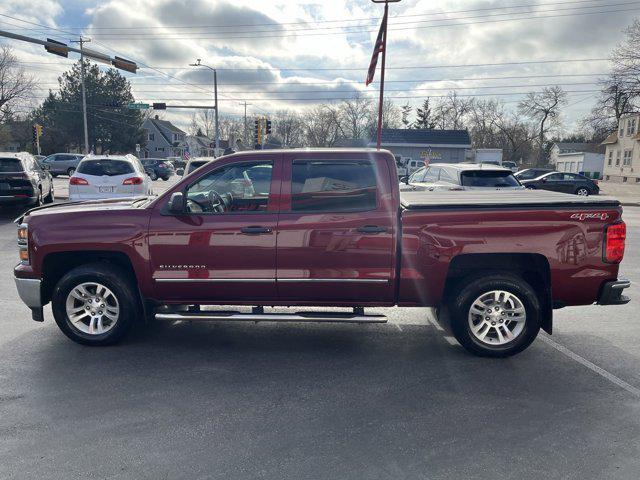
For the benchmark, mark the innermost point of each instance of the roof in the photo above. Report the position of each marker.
(128, 157)
(167, 125)
(578, 146)
(399, 136)
(612, 138)
(471, 166)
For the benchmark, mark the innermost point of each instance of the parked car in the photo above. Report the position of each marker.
(565, 183)
(513, 166)
(62, 163)
(23, 181)
(158, 168)
(196, 162)
(531, 173)
(177, 162)
(112, 176)
(332, 230)
(462, 176)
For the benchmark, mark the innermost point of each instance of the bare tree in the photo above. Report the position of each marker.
(288, 128)
(354, 117)
(321, 126)
(205, 120)
(451, 111)
(15, 84)
(543, 108)
(626, 58)
(616, 98)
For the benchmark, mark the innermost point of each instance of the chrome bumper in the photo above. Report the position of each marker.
(29, 291)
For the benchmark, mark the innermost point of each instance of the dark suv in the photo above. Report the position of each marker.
(158, 168)
(23, 181)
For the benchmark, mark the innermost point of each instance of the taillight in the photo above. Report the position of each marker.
(132, 181)
(23, 242)
(614, 239)
(78, 181)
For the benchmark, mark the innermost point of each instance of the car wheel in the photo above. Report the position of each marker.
(39, 197)
(95, 304)
(153, 175)
(165, 178)
(50, 198)
(496, 315)
(582, 191)
(71, 171)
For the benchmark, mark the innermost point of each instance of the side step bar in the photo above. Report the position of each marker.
(234, 316)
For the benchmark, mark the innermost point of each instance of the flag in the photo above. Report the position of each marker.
(377, 49)
(185, 154)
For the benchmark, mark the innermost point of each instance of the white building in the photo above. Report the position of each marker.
(623, 151)
(560, 148)
(585, 163)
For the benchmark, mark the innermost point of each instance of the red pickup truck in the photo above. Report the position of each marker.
(321, 228)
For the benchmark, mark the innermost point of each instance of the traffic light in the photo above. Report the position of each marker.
(39, 130)
(268, 129)
(159, 106)
(34, 134)
(258, 132)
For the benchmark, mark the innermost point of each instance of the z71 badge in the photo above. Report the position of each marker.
(589, 216)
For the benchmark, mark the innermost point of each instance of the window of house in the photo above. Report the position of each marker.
(617, 158)
(624, 179)
(333, 186)
(152, 137)
(627, 157)
(610, 157)
(631, 127)
(621, 129)
(159, 149)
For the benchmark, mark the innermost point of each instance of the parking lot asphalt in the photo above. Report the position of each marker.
(392, 401)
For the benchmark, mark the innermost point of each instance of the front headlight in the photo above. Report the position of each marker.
(23, 242)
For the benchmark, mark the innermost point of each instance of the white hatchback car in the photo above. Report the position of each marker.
(109, 176)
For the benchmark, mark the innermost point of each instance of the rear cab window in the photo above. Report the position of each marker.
(10, 165)
(333, 186)
(105, 167)
(479, 178)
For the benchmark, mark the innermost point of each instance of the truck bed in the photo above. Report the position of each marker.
(501, 199)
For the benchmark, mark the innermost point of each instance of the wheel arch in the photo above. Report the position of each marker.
(532, 267)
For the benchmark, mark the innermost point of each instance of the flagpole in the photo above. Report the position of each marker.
(382, 67)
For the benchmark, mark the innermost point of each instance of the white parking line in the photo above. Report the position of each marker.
(451, 340)
(435, 323)
(591, 366)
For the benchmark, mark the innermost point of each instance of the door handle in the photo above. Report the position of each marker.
(372, 229)
(255, 230)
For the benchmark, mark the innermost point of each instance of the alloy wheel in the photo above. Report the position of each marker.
(497, 317)
(92, 308)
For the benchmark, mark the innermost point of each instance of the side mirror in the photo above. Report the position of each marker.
(180, 171)
(45, 166)
(177, 204)
(544, 180)
(405, 179)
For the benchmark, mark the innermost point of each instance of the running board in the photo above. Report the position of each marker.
(233, 316)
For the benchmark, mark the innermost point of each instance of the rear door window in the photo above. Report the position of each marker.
(110, 168)
(488, 179)
(431, 175)
(10, 165)
(333, 186)
(445, 176)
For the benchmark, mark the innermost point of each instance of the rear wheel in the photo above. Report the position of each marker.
(95, 304)
(71, 171)
(582, 191)
(50, 197)
(495, 316)
(38, 196)
(153, 175)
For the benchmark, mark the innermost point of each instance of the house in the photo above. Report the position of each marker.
(164, 139)
(425, 146)
(200, 145)
(622, 154)
(560, 148)
(586, 163)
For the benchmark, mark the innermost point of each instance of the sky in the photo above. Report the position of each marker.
(288, 54)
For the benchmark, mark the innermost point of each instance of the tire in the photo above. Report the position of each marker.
(50, 198)
(39, 201)
(582, 191)
(153, 175)
(165, 178)
(71, 171)
(122, 298)
(515, 294)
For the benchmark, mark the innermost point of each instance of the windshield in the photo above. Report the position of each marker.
(10, 165)
(493, 179)
(110, 168)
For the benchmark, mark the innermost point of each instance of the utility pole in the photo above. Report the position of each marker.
(246, 128)
(84, 95)
(199, 63)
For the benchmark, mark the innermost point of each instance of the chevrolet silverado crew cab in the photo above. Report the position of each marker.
(320, 228)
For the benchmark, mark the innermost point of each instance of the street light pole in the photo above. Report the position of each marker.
(84, 96)
(215, 97)
(245, 137)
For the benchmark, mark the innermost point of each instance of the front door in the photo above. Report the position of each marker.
(223, 247)
(336, 233)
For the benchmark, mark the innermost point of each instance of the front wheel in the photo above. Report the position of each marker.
(153, 176)
(582, 191)
(71, 171)
(95, 304)
(495, 316)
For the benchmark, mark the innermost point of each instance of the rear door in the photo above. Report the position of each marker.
(336, 230)
(220, 254)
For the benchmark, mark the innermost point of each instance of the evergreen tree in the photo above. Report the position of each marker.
(424, 119)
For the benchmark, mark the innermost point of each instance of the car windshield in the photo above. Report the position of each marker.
(104, 167)
(530, 174)
(10, 165)
(488, 179)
